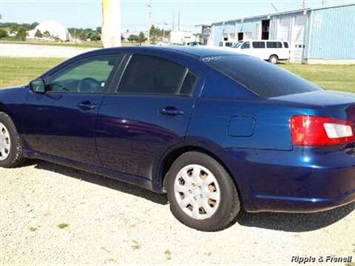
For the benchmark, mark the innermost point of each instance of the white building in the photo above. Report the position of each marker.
(316, 35)
(55, 30)
(181, 37)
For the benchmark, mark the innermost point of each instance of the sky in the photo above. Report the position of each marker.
(134, 13)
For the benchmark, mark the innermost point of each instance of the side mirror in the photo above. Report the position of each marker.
(38, 86)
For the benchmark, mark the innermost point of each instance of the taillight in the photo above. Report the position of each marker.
(320, 131)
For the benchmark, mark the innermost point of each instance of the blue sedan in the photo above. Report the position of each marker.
(215, 130)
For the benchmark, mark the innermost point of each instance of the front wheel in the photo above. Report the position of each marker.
(201, 193)
(273, 59)
(11, 150)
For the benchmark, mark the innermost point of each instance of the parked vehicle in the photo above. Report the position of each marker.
(270, 50)
(216, 130)
(193, 44)
(226, 44)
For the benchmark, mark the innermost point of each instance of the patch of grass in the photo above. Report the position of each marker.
(167, 254)
(62, 225)
(33, 229)
(64, 44)
(135, 244)
(331, 77)
(111, 260)
(16, 70)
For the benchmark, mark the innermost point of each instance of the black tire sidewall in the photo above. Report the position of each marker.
(229, 204)
(16, 150)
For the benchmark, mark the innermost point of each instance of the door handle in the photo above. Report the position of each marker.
(171, 110)
(86, 106)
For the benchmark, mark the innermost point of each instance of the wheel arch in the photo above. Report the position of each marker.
(8, 112)
(174, 154)
(273, 56)
(5, 110)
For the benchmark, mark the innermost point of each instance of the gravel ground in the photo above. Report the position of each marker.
(53, 215)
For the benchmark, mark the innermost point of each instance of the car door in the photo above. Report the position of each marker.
(147, 114)
(61, 122)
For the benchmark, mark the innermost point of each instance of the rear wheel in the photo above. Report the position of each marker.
(201, 193)
(273, 59)
(11, 150)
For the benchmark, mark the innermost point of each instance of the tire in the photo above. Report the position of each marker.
(201, 193)
(273, 59)
(11, 148)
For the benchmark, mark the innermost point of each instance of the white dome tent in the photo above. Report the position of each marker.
(56, 31)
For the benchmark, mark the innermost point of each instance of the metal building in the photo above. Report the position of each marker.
(316, 35)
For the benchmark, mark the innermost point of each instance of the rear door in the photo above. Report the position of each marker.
(147, 114)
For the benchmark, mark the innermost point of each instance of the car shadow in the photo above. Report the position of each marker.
(290, 222)
(295, 222)
(102, 181)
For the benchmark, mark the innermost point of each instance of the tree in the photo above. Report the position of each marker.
(13, 29)
(3, 33)
(95, 36)
(38, 34)
(155, 33)
(82, 35)
(21, 34)
(197, 36)
(132, 38)
(46, 34)
(34, 25)
(141, 38)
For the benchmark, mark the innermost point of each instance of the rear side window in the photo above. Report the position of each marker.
(264, 79)
(286, 44)
(273, 45)
(258, 45)
(154, 75)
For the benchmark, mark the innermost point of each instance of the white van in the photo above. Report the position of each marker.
(270, 50)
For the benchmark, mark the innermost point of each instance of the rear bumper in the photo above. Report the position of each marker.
(301, 180)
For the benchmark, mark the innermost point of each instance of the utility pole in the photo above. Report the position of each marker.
(173, 23)
(179, 20)
(149, 5)
(274, 7)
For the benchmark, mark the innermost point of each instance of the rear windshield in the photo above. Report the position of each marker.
(262, 78)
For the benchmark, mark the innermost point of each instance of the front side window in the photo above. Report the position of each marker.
(246, 45)
(154, 75)
(87, 76)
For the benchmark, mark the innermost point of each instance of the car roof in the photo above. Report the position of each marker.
(196, 52)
